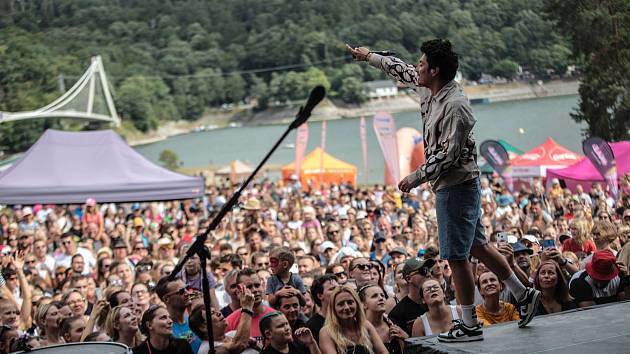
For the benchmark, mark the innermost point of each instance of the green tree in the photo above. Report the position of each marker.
(169, 159)
(605, 47)
(352, 90)
(505, 68)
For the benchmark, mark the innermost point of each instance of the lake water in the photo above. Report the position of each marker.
(524, 124)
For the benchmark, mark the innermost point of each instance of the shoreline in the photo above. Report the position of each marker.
(328, 110)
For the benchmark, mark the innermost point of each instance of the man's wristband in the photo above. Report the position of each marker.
(248, 311)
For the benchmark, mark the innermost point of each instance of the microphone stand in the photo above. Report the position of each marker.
(198, 247)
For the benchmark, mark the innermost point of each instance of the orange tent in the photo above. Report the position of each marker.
(335, 170)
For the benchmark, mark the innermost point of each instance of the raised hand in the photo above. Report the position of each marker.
(304, 335)
(247, 298)
(358, 53)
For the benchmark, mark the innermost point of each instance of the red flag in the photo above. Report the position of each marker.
(364, 147)
(301, 140)
(385, 129)
(321, 159)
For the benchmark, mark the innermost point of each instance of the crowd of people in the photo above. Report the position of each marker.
(336, 270)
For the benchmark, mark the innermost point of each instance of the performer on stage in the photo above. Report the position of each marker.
(452, 170)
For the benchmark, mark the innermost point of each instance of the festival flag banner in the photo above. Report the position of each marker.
(301, 139)
(601, 155)
(385, 130)
(497, 157)
(364, 148)
(321, 159)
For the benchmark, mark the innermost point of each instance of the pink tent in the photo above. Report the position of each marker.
(535, 162)
(585, 173)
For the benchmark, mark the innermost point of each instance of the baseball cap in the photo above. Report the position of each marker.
(118, 243)
(361, 214)
(531, 238)
(520, 247)
(399, 250)
(326, 245)
(379, 237)
(27, 211)
(90, 202)
(415, 263)
(602, 266)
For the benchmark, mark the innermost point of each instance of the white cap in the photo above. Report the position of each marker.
(531, 238)
(511, 239)
(361, 214)
(27, 211)
(326, 245)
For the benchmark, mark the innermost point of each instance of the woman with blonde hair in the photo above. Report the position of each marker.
(580, 242)
(121, 326)
(346, 330)
(47, 319)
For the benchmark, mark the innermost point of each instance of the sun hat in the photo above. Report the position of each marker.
(252, 204)
(602, 266)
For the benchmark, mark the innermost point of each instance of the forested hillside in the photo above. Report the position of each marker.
(171, 59)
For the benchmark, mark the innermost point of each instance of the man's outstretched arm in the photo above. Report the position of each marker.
(392, 66)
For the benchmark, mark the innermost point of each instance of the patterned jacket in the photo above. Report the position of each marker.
(447, 123)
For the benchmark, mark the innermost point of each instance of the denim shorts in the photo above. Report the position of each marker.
(458, 211)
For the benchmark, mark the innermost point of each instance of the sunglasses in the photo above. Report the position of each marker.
(422, 271)
(364, 266)
(341, 275)
(180, 291)
(333, 231)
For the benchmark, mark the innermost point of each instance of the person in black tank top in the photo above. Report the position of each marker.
(373, 298)
(157, 325)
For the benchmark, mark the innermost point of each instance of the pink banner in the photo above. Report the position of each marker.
(301, 140)
(385, 130)
(321, 159)
(364, 148)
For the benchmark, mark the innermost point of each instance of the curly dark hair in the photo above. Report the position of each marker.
(440, 54)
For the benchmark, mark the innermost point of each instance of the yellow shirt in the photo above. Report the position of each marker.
(508, 313)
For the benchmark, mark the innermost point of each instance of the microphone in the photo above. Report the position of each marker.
(316, 96)
(385, 53)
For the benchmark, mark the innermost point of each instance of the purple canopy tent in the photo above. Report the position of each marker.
(583, 172)
(69, 167)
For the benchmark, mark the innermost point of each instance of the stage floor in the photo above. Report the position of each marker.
(603, 329)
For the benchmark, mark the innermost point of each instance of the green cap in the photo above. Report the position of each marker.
(415, 263)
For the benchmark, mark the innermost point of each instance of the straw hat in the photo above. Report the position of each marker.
(252, 204)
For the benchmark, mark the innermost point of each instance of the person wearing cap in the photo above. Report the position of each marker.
(603, 281)
(415, 272)
(327, 251)
(380, 248)
(28, 222)
(91, 215)
(398, 255)
(556, 190)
